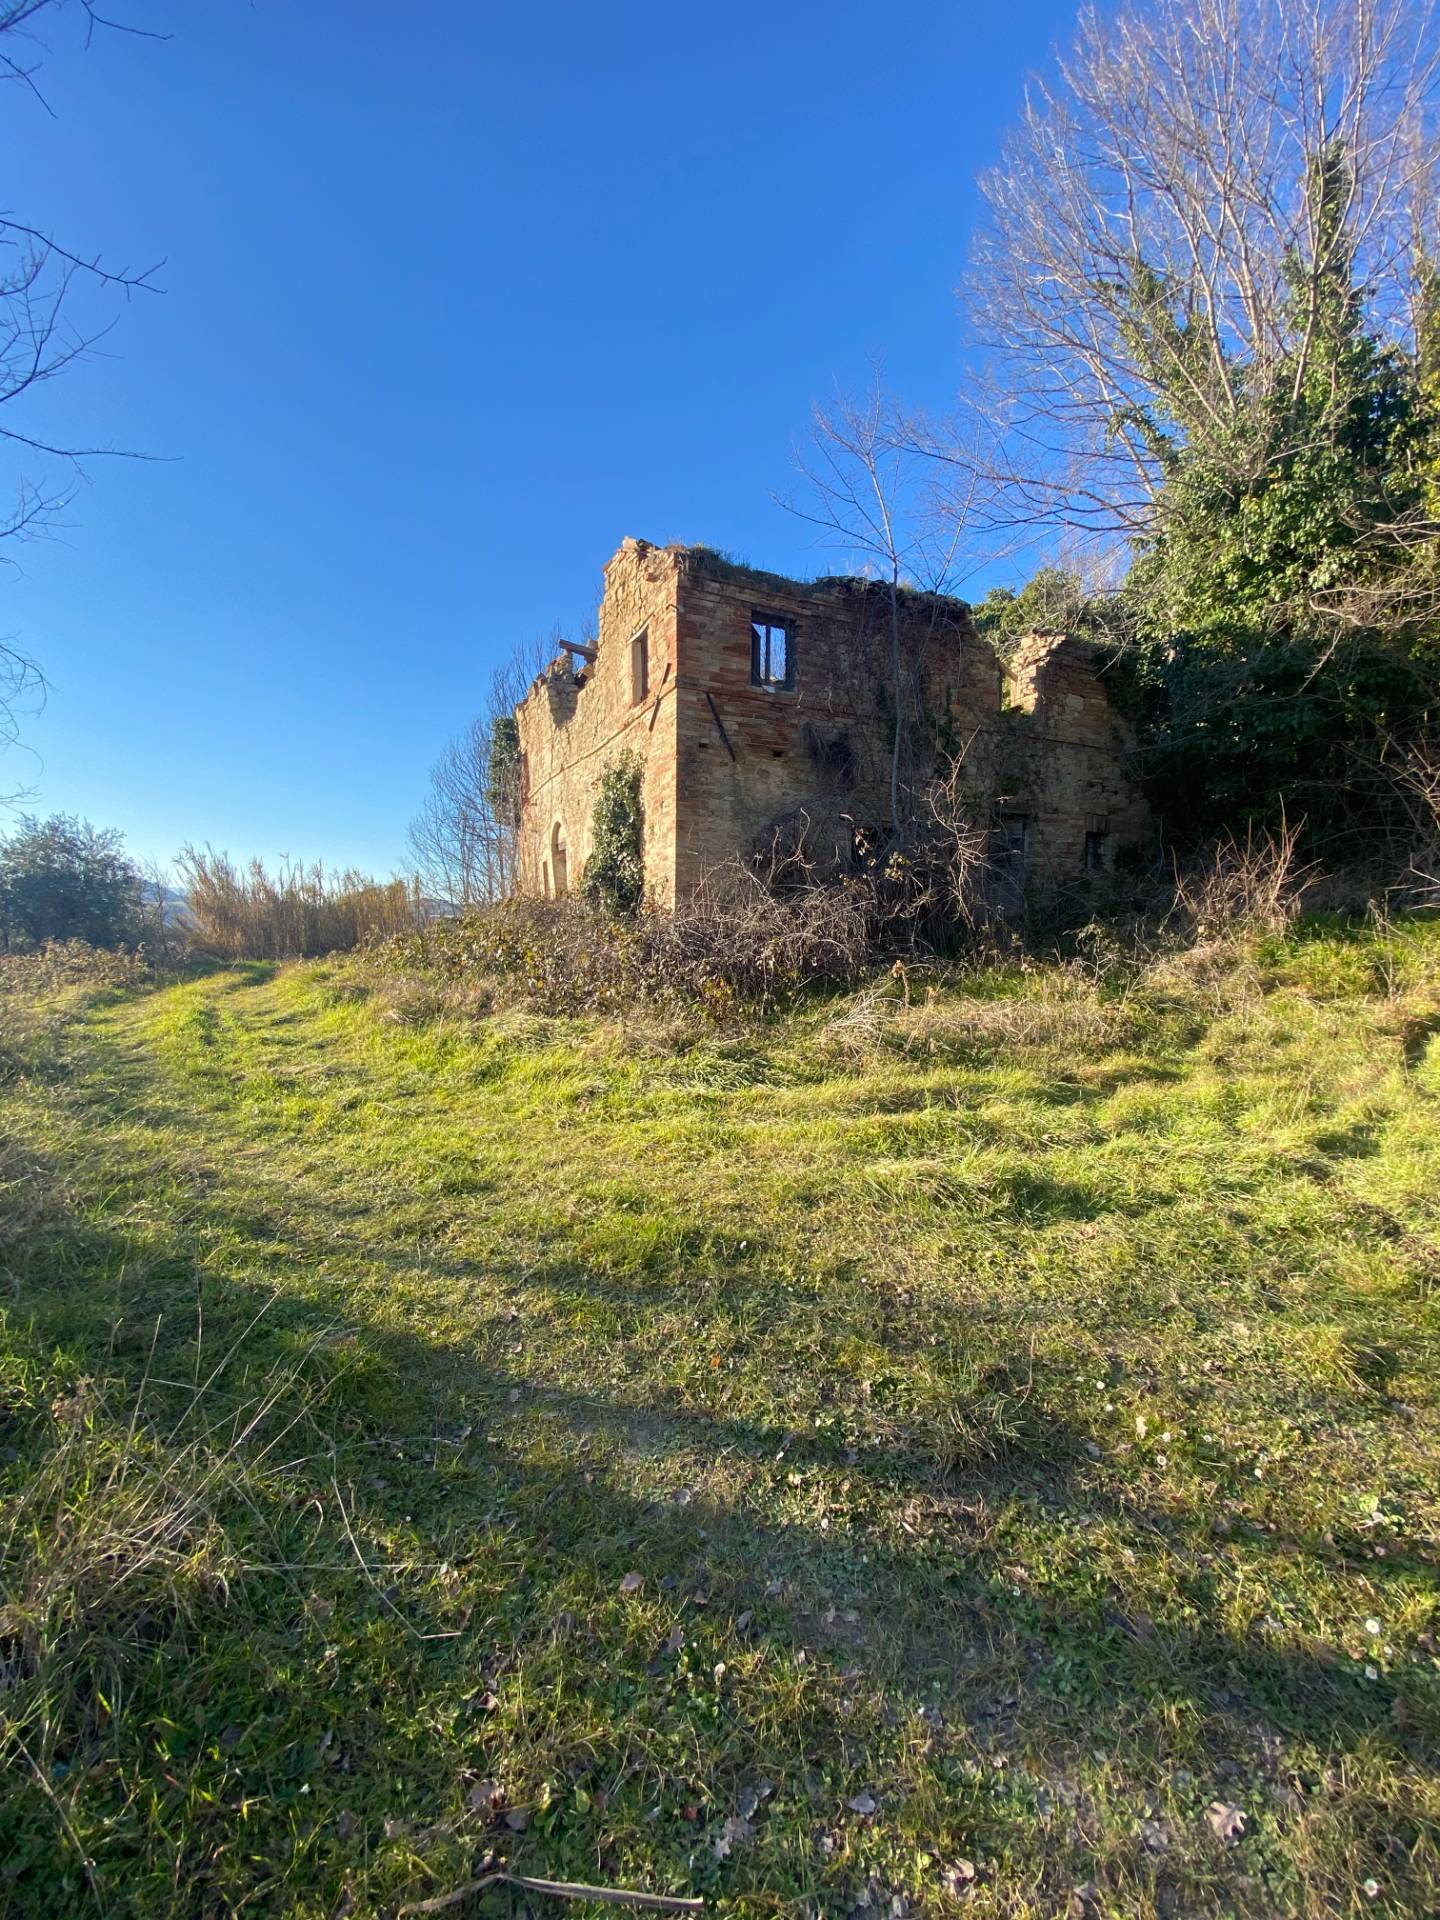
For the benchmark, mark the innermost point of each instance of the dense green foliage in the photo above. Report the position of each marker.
(1278, 633)
(62, 879)
(502, 782)
(1266, 603)
(615, 872)
(1054, 600)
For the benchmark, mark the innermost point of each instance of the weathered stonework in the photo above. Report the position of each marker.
(729, 764)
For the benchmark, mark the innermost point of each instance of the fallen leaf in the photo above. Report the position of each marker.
(735, 1832)
(632, 1583)
(1155, 1835)
(517, 1819)
(485, 1797)
(1227, 1822)
(345, 1824)
(864, 1802)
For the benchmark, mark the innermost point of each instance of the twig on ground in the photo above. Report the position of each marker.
(561, 1889)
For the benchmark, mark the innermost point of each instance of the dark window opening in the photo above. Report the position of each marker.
(640, 666)
(1013, 836)
(1010, 857)
(772, 657)
(1097, 847)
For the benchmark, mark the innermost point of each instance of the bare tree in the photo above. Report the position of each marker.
(465, 838)
(460, 839)
(1133, 288)
(56, 304)
(870, 489)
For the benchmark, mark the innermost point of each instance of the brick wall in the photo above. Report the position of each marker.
(573, 725)
(728, 763)
(1075, 750)
(750, 756)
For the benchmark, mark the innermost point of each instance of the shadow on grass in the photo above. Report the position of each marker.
(534, 1497)
(851, 1591)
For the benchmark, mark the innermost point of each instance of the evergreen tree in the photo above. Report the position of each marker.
(62, 879)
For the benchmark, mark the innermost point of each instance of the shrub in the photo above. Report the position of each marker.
(62, 879)
(735, 947)
(615, 871)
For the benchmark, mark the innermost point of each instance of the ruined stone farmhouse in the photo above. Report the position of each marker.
(763, 712)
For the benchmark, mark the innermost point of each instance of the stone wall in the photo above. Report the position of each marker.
(575, 723)
(1074, 749)
(731, 767)
(750, 757)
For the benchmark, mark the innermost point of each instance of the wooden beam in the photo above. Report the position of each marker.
(580, 647)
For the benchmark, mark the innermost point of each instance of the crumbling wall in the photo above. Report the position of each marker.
(1088, 811)
(574, 723)
(730, 765)
(817, 752)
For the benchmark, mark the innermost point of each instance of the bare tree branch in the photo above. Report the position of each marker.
(45, 328)
(1133, 284)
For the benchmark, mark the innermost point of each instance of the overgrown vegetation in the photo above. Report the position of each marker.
(615, 871)
(973, 1456)
(735, 950)
(749, 944)
(250, 913)
(1207, 317)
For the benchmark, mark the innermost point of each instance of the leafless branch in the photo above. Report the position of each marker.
(1133, 286)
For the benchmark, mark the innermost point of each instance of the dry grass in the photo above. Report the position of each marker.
(298, 911)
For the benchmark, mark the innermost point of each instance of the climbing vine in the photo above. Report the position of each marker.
(615, 871)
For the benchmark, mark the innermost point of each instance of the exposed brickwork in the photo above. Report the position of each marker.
(572, 727)
(726, 760)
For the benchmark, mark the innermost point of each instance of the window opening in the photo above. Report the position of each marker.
(772, 655)
(640, 666)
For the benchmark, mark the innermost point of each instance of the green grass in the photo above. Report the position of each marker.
(1020, 1411)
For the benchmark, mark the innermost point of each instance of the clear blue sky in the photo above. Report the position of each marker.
(457, 296)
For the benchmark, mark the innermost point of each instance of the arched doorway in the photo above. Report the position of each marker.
(559, 864)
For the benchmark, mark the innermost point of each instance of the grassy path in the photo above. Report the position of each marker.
(927, 1473)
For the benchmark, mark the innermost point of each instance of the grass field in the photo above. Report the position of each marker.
(980, 1458)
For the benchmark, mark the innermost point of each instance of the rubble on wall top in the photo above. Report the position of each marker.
(723, 566)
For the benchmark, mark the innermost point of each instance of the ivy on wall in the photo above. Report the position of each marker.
(615, 871)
